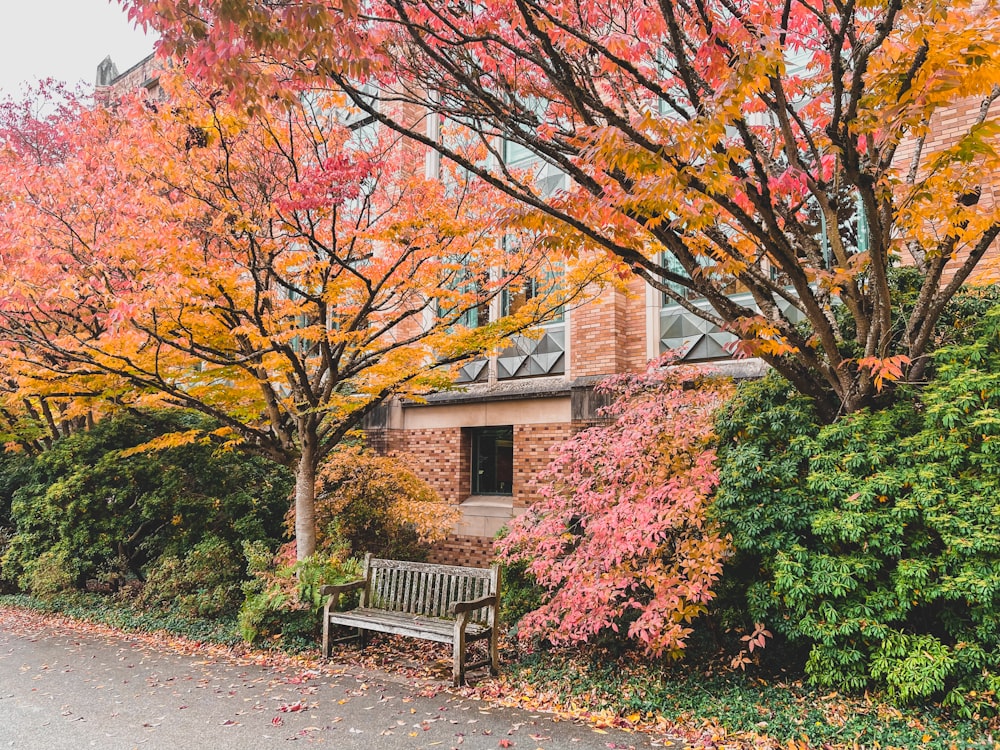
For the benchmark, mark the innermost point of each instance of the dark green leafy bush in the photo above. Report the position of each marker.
(520, 593)
(15, 472)
(876, 540)
(86, 511)
(205, 582)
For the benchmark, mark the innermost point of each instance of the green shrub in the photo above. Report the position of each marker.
(110, 513)
(15, 472)
(876, 540)
(282, 600)
(519, 594)
(49, 574)
(6, 534)
(206, 582)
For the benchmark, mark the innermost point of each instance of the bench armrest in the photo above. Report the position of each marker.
(341, 588)
(486, 601)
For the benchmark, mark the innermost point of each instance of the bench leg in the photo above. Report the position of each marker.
(360, 637)
(494, 653)
(458, 652)
(458, 663)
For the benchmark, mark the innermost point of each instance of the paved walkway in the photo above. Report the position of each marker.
(64, 687)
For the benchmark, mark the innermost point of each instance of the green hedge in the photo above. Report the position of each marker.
(875, 541)
(85, 511)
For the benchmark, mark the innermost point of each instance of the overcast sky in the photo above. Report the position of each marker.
(64, 39)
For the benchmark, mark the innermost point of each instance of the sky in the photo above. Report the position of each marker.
(64, 39)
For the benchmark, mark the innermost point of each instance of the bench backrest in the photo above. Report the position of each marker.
(427, 589)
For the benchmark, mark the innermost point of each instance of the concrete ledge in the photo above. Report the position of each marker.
(493, 506)
(484, 515)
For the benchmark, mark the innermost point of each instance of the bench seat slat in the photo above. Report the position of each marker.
(397, 623)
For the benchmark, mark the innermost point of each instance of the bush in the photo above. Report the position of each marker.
(15, 472)
(282, 600)
(206, 582)
(6, 534)
(876, 540)
(103, 512)
(619, 539)
(49, 574)
(375, 504)
(520, 592)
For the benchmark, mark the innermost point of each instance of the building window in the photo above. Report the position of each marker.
(673, 265)
(476, 316)
(493, 461)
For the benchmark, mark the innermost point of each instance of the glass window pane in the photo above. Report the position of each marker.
(493, 461)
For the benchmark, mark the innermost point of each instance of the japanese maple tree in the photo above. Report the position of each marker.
(620, 537)
(37, 409)
(35, 406)
(781, 149)
(283, 269)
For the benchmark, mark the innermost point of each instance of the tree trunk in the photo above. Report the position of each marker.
(305, 501)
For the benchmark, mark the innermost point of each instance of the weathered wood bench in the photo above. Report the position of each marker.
(443, 603)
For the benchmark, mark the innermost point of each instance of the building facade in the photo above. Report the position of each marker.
(144, 75)
(481, 445)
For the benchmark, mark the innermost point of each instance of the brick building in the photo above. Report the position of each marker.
(145, 74)
(481, 446)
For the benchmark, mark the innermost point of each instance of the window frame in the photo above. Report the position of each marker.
(496, 487)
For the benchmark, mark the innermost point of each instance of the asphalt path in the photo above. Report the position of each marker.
(65, 687)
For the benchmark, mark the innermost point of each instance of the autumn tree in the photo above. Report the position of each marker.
(36, 411)
(282, 269)
(780, 149)
(620, 539)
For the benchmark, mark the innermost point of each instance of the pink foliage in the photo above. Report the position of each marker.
(32, 126)
(621, 534)
(327, 185)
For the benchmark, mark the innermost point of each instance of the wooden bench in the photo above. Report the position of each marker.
(442, 603)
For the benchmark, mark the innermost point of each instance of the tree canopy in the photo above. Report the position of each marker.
(282, 270)
(786, 150)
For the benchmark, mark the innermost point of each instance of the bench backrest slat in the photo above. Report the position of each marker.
(426, 589)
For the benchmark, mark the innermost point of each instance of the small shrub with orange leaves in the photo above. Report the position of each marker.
(374, 503)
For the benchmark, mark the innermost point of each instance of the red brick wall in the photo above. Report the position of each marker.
(592, 350)
(440, 458)
(946, 127)
(608, 334)
(532, 451)
(473, 551)
(633, 333)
